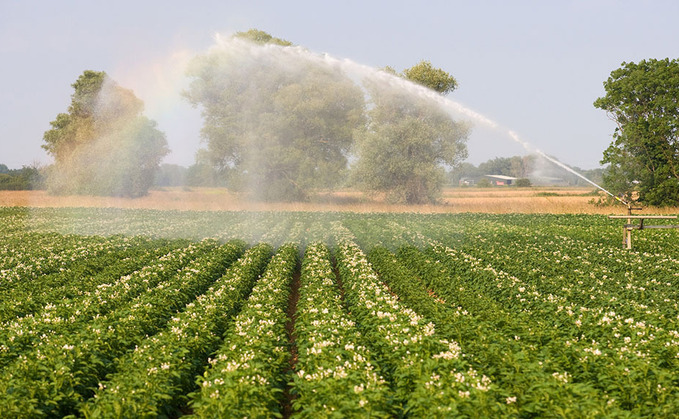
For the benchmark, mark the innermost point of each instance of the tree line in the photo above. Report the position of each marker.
(530, 168)
(26, 178)
(280, 127)
(276, 126)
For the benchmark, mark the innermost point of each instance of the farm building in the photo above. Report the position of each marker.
(501, 180)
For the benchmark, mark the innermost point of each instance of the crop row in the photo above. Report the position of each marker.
(152, 379)
(100, 294)
(616, 351)
(52, 253)
(59, 373)
(246, 377)
(30, 296)
(569, 339)
(335, 374)
(513, 367)
(429, 374)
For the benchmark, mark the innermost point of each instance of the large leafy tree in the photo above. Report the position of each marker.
(103, 145)
(409, 139)
(643, 100)
(275, 125)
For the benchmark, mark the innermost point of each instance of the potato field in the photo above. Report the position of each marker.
(148, 313)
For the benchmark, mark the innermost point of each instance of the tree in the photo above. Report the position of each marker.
(523, 183)
(497, 166)
(275, 125)
(434, 78)
(262, 38)
(464, 171)
(643, 100)
(408, 140)
(202, 174)
(103, 145)
(171, 175)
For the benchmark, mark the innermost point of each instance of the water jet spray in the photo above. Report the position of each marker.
(292, 56)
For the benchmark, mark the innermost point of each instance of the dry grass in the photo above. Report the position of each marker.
(455, 200)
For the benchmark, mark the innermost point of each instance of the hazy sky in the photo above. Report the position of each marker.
(534, 67)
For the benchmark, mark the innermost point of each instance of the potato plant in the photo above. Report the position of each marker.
(144, 313)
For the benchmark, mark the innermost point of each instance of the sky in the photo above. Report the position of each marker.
(532, 67)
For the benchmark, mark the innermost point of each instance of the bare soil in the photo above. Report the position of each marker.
(288, 397)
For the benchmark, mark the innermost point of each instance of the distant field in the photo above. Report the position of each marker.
(455, 200)
(110, 312)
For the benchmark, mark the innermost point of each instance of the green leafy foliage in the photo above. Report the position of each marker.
(428, 373)
(34, 310)
(152, 379)
(523, 183)
(418, 315)
(335, 375)
(433, 78)
(54, 377)
(644, 157)
(280, 123)
(246, 376)
(261, 37)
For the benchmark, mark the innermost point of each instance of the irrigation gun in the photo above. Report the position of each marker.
(629, 226)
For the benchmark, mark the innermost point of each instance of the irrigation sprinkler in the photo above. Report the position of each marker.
(627, 228)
